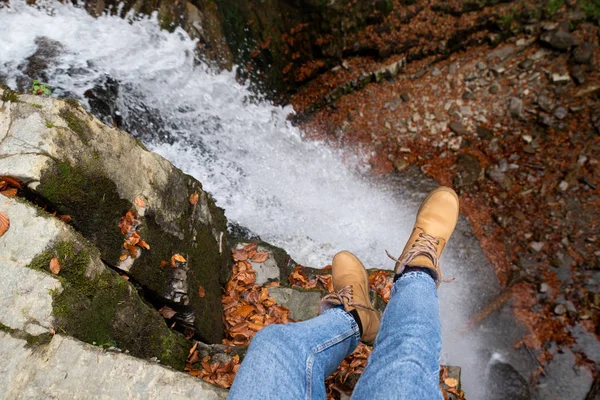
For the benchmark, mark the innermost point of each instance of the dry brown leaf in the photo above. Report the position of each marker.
(167, 312)
(163, 264)
(123, 256)
(139, 202)
(12, 192)
(194, 199)
(143, 244)
(64, 218)
(12, 182)
(124, 277)
(260, 257)
(193, 349)
(54, 266)
(250, 247)
(4, 223)
(451, 382)
(201, 292)
(175, 259)
(239, 255)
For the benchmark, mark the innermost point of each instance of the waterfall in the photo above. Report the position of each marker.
(304, 196)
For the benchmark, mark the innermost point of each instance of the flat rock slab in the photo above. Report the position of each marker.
(303, 304)
(48, 372)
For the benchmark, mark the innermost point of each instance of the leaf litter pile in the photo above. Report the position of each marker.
(248, 308)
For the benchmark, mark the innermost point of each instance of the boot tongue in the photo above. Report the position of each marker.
(421, 261)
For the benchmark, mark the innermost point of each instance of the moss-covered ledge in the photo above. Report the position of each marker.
(104, 309)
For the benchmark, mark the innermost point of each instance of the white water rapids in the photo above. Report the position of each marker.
(296, 194)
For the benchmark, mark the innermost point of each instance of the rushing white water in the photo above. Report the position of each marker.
(297, 194)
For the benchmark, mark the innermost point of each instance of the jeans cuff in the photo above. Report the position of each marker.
(339, 310)
(412, 276)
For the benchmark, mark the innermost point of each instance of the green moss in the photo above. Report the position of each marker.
(35, 105)
(10, 95)
(105, 310)
(32, 341)
(92, 201)
(76, 125)
(49, 124)
(591, 8)
(72, 102)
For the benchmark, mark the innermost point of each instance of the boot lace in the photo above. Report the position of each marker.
(425, 245)
(344, 294)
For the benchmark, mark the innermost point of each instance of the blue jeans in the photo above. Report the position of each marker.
(292, 361)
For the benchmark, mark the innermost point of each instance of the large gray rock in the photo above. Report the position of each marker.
(303, 304)
(86, 299)
(69, 369)
(564, 379)
(92, 172)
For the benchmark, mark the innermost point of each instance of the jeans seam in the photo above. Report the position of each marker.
(319, 348)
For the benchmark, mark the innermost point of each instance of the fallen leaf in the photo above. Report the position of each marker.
(249, 247)
(163, 264)
(4, 223)
(175, 259)
(201, 292)
(54, 266)
(167, 312)
(260, 257)
(451, 382)
(124, 277)
(52, 331)
(123, 256)
(143, 244)
(239, 255)
(12, 192)
(194, 199)
(193, 349)
(139, 202)
(12, 182)
(64, 218)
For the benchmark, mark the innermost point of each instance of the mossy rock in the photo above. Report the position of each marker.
(104, 309)
(93, 173)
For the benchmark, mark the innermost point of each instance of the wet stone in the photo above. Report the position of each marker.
(515, 107)
(560, 309)
(583, 53)
(578, 74)
(485, 133)
(405, 97)
(468, 170)
(558, 40)
(586, 343)
(526, 64)
(458, 128)
(545, 103)
(468, 95)
(494, 89)
(560, 112)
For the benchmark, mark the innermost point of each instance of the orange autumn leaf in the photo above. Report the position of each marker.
(54, 266)
(194, 199)
(139, 202)
(163, 264)
(126, 222)
(132, 251)
(260, 257)
(13, 182)
(451, 382)
(12, 192)
(143, 244)
(175, 259)
(167, 312)
(239, 255)
(4, 223)
(64, 218)
(201, 292)
(123, 256)
(250, 247)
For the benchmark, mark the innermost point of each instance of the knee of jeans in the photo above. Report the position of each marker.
(269, 334)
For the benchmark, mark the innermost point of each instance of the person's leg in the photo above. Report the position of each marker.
(405, 360)
(292, 361)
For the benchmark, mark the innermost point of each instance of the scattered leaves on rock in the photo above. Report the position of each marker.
(260, 257)
(139, 202)
(167, 312)
(194, 199)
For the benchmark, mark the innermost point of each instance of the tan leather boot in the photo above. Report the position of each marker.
(351, 285)
(436, 220)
